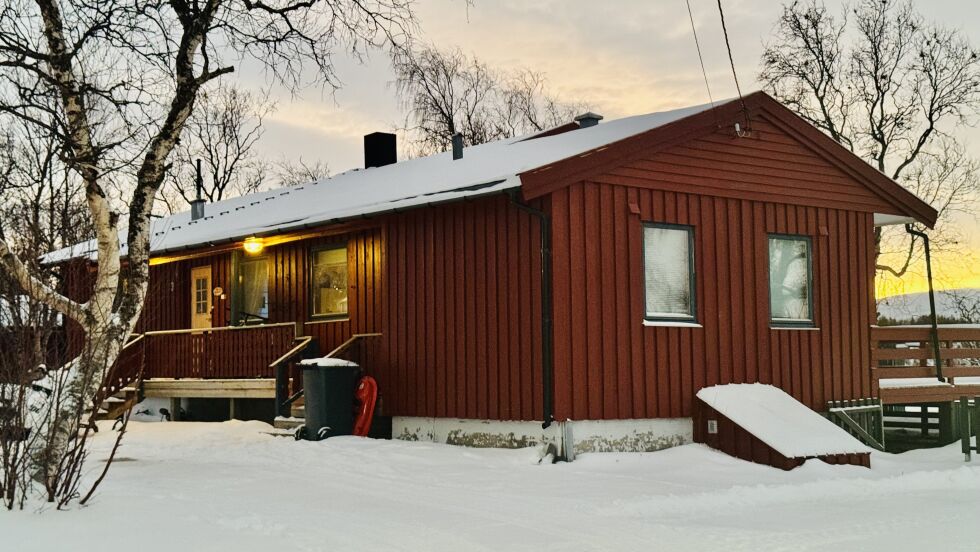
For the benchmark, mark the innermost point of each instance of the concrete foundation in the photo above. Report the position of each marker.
(568, 438)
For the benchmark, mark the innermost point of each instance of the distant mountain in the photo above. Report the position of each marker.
(914, 305)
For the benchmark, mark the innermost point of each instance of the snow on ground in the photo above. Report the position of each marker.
(231, 486)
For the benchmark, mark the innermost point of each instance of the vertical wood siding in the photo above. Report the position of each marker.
(168, 299)
(462, 327)
(289, 288)
(608, 365)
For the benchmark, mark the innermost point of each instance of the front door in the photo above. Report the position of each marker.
(201, 297)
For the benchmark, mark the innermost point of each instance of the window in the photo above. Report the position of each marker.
(329, 281)
(790, 280)
(201, 295)
(253, 284)
(668, 259)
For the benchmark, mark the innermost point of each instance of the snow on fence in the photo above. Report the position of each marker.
(905, 367)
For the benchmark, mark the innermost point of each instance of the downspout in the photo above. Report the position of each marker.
(547, 331)
(934, 318)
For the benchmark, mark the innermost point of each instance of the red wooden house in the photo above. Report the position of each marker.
(596, 275)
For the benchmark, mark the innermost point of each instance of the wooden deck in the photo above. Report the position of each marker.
(166, 388)
(227, 362)
(905, 370)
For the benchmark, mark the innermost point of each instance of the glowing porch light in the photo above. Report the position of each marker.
(253, 246)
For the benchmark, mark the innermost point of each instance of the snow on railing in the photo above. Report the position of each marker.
(904, 361)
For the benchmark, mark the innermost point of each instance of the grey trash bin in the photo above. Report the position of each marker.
(328, 386)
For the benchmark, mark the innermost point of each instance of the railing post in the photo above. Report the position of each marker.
(965, 427)
(282, 389)
(975, 427)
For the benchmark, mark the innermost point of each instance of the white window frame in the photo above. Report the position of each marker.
(691, 315)
(783, 322)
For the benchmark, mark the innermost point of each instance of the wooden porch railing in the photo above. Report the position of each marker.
(126, 370)
(353, 349)
(905, 367)
(228, 352)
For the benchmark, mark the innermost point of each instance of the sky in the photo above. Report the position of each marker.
(620, 57)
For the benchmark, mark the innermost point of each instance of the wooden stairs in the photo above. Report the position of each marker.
(297, 402)
(297, 417)
(114, 406)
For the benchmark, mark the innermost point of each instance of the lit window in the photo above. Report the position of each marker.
(253, 281)
(329, 281)
(668, 258)
(790, 280)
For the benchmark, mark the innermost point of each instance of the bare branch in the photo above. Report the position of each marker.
(447, 92)
(891, 94)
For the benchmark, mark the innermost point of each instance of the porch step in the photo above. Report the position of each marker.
(291, 433)
(116, 405)
(291, 423)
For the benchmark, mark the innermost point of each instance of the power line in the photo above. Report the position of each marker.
(697, 44)
(731, 60)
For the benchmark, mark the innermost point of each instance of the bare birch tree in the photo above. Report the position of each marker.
(222, 133)
(299, 171)
(113, 83)
(890, 87)
(447, 92)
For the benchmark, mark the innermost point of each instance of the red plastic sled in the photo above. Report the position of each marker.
(366, 396)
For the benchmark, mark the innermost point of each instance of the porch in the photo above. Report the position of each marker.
(928, 390)
(234, 362)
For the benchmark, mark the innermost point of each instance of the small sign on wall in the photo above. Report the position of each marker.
(712, 427)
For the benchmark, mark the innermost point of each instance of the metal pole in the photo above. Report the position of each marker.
(965, 427)
(198, 181)
(932, 302)
(547, 330)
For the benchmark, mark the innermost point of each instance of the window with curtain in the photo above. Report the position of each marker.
(329, 281)
(253, 283)
(668, 259)
(790, 280)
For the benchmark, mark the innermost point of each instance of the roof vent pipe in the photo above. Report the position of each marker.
(197, 206)
(457, 146)
(588, 119)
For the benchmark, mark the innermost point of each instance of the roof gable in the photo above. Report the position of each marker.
(768, 166)
(546, 179)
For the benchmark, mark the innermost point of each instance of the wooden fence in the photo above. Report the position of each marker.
(905, 368)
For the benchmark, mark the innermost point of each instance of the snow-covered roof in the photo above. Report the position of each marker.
(484, 169)
(780, 421)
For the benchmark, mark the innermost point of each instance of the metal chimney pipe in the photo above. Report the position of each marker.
(197, 206)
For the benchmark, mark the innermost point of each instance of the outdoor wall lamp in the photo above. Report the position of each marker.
(253, 246)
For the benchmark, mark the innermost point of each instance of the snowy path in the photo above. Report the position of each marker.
(203, 487)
